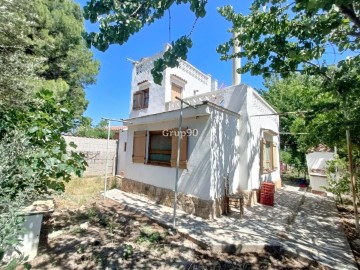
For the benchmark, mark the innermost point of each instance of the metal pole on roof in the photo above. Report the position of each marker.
(107, 149)
(178, 157)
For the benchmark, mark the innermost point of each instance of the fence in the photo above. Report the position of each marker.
(95, 154)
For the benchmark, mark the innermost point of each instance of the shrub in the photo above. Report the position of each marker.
(338, 177)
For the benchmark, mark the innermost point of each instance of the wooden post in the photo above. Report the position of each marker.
(352, 180)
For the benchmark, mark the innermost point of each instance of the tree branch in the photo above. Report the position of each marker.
(350, 13)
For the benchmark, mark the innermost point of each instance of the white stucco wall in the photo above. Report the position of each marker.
(235, 99)
(189, 77)
(195, 179)
(121, 154)
(257, 106)
(156, 93)
(244, 100)
(195, 80)
(225, 151)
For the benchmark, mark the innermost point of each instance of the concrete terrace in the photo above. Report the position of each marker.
(301, 224)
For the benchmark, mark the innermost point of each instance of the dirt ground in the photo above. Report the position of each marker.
(346, 213)
(102, 235)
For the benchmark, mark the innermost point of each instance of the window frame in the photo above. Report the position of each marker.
(143, 100)
(179, 87)
(149, 150)
(270, 144)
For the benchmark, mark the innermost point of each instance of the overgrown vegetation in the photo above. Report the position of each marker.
(44, 68)
(338, 177)
(86, 129)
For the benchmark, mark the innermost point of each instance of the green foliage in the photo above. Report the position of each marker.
(285, 157)
(282, 36)
(328, 113)
(148, 236)
(41, 47)
(18, 69)
(86, 129)
(34, 158)
(119, 20)
(338, 177)
(296, 93)
(277, 36)
(57, 39)
(128, 251)
(39, 129)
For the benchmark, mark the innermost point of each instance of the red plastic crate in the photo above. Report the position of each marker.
(267, 193)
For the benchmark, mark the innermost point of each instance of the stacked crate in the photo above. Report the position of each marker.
(267, 193)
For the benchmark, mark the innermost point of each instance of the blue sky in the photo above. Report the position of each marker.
(110, 96)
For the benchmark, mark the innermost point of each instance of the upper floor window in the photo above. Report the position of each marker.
(176, 91)
(141, 99)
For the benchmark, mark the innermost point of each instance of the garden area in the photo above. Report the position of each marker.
(88, 232)
(310, 64)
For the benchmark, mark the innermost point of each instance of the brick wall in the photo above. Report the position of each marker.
(95, 153)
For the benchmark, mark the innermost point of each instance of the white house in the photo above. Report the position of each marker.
(232, 133)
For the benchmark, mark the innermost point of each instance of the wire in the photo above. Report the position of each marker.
(169, 25)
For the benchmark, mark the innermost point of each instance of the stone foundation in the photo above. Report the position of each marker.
(187, 203)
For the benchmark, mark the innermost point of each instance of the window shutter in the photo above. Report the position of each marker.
(137, 100)
(183, 150)
(262, 155)
(175, 92)
(274, 156)
(139, 146)
(145, 98)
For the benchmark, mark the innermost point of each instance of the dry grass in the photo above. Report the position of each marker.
(81, 191)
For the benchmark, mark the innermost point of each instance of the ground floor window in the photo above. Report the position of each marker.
(159, 148)
(268, 156)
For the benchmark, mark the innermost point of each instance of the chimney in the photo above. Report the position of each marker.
(236, 62)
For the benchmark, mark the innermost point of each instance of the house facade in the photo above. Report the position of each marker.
(231, 133)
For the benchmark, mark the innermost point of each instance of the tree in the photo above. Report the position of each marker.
(119, 20)
(41, 46)
(35, 160)
(86, 129)
(57, 38)
(285, 36)
(296, 93)
(18, 69)
(278, 36)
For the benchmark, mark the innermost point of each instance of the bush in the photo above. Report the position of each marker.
(338, 177)
(34, 160)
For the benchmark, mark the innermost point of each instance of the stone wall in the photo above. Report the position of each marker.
(185, 202)
(95, 154)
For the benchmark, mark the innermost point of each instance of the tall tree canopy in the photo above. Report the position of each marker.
(57, 38)
(17, 68)
(45, 66)
(326, 118)
(41, 46)
(281, 36)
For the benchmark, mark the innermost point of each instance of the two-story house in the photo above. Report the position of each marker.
(231, 133)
